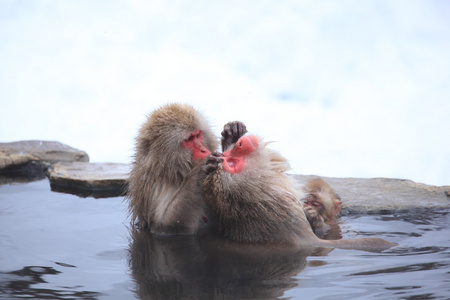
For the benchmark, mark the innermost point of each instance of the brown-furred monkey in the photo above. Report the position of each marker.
(255, 202)
(164, 192)
(322, 206)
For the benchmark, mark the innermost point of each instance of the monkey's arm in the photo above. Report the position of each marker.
(184, 213)
(324, 229)
(232, 131)
(314, 218)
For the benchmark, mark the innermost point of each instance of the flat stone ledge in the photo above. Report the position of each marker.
(359, 195)
(69, 171)
(98, 180)
(27, 160)
(384, 195)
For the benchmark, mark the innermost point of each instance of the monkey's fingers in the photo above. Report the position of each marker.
(241, 129)
(212, 163)
(228, 129)
(311, 213)
(217, 154)
(226, 138)
(232, 131)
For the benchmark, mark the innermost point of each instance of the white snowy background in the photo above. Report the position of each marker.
(344, 88)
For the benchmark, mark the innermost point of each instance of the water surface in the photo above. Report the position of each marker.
(61, 246)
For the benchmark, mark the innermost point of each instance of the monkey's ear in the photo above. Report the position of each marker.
(337, 206)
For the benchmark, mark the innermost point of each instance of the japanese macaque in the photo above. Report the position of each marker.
(321, 205)
(164, 189)
(255, 202)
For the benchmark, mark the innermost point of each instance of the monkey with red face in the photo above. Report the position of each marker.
(253, 201)
(164, 192)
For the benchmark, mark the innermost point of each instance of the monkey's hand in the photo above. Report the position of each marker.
(232, 131)
(314, 218)
(212, 163)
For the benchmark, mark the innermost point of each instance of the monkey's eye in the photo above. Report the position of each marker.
(194, 135)
(316, 204)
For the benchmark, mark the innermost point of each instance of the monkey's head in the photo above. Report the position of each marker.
(234, 159)
(322, 198)
(175, 134)
(250, 154)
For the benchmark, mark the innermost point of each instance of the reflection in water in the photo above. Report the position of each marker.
(400, 251)
(406, 269)
(193, 267)
(331, 233)
(420, 217)
(19, 284)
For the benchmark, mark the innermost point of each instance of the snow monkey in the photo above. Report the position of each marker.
(255, 202)
(321, 205)
(163, 187)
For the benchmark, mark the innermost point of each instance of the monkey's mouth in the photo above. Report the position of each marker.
(231, 162)
(233, 165)
(234, 159)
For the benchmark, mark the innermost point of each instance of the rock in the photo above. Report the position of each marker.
(19, 153)
(69, 171)
(384, 195)
(27, 160)
(367, 196)
(99, 180)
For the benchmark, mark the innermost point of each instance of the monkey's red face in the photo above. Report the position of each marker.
(195, 143)
(234, 159)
